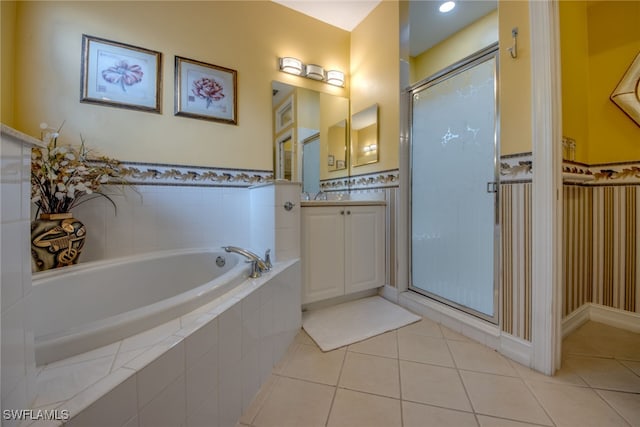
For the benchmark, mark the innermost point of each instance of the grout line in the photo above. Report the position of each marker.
(464, 386)
(399, 377)
(335, 389)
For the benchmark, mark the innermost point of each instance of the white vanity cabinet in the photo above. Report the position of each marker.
(343, 248)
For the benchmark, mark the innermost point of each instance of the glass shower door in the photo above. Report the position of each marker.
(454, 187)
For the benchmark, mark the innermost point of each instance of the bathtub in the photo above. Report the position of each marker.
(86, 306)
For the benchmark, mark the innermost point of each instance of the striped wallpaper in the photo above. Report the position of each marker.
(515, 274)
(602, 249)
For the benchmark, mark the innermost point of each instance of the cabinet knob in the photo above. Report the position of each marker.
(341, 212)
(348, 212)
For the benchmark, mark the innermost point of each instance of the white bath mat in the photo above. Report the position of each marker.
(354, 321)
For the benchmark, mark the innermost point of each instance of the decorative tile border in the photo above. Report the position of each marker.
(602, 174)
(383, 179)
(516, 168)
(164, 174)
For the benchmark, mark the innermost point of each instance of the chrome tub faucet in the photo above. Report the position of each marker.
(258, 265)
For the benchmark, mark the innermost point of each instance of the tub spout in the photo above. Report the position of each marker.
(261, 264)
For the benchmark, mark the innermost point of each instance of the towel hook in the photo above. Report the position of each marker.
(513, 50)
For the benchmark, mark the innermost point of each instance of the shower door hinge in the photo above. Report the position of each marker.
(492, 187)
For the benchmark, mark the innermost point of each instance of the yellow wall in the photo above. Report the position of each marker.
(8, 17)
(375, 78)
(514, 90)
(465, 42)
(247, 36)
(575, 74)
(612, 42)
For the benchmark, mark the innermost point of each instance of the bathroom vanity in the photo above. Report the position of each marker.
(343, 248)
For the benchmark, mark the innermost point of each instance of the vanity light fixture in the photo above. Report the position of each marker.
(447, 6)
(294, 66)
(335, 77)
(315, 72)
(291, 65)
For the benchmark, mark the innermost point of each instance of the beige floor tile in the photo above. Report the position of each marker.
(278, 368)
(418, 415)
(424, 349)
(385, 345)
(633, 365)
(424, 327)
(264, 392)
(626, 404)
(303, 338)
(572, 406)
(295, 403)
(577, 346)
(504, 397)
(434, 385)
(371, 374)
(487, 421)
(604, 373)
(355, 409)
(607, 341)
(453, 335)
(310, 363)
(477, 357)
(563, 375)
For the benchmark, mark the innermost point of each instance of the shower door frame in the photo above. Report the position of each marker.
(481, 56)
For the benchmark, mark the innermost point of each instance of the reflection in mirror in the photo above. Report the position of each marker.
(364, 136)
(299, 114)
(337, 157)
(284, 156)
(311, 164)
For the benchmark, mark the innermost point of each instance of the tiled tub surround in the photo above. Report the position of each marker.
(175, 207)
(203, 368)
(93, 304)
(18, 364)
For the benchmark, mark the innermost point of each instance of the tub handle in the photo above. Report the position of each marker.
(254, 271)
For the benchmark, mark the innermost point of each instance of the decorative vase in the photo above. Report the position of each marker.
(56, 241)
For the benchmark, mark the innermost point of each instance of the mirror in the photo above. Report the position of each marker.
(310, 129)
(364, 136)
(337, 154)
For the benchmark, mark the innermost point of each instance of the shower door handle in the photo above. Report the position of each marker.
(492, 187)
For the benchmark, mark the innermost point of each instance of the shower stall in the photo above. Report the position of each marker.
(454, 187)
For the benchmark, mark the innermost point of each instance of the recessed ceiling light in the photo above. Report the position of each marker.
(447, 6)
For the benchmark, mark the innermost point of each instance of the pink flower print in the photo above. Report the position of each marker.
(208, 89)
(123, 73)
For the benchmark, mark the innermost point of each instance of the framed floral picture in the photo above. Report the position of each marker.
(205, 91)
(120, 75)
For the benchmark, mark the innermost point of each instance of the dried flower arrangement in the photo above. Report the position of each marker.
(64, 176)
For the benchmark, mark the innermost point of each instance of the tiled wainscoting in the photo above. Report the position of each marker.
(18, 358)
(602, 249)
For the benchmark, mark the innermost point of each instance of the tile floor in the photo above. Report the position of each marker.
(427, 375)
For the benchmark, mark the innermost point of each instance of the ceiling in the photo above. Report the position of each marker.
(427, 26)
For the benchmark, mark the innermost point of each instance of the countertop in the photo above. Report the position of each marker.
(312, 203)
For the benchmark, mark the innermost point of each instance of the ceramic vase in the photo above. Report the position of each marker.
(56, 241)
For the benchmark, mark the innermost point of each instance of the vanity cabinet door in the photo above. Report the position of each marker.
(364, 248)
(322, 253)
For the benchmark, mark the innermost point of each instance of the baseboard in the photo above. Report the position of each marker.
(617, 318)
(575, 319)
(516, 349)
(389, 293)
(456, 320)
(339, 300)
